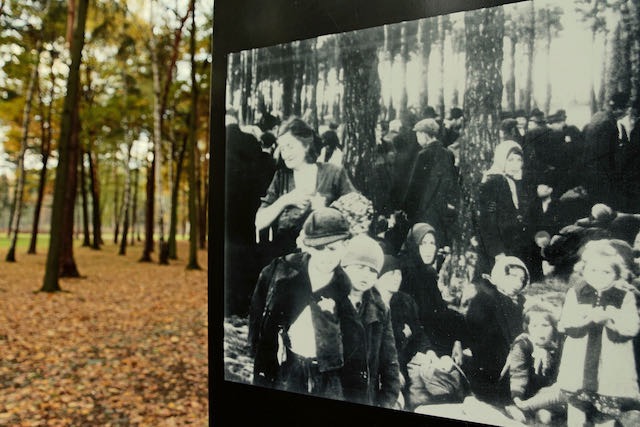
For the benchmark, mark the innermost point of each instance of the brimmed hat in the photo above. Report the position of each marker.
(536, 116)
(455, 113)
(427, 126)
(557, 117)
(363, 250)
(390, 263)
(324, 226)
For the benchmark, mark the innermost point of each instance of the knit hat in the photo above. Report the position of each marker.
(390, 263)
(363, 250)
(324, 226)
(501, 267)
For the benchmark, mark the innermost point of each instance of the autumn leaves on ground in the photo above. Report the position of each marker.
(125, 345)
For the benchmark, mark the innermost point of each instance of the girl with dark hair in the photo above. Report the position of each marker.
(299, 186)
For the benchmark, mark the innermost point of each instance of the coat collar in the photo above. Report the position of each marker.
(374, 308)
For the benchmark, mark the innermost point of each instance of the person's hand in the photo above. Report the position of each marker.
(599, 316)
(406, 330)
(318, 201)
(500, 256)
(296, 199)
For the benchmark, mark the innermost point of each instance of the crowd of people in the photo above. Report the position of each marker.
(345, 294)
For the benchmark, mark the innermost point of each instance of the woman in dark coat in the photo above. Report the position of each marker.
(299, 187)
(503, 222)
(418, 257)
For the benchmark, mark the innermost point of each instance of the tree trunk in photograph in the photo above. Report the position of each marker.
(68, 266)
(127, 197)
(547, 51)
(254, 92)
(361, 101)
(192, 263)
(94, 183)
(20, 172)
(338, 104)
(424, 52)
(45, 131)
(298, 71)
(175, 191)
(484, 30)
(634, 48)
(230, 87)
(530, 40)
(148, 217)
(86, 242)
(442, 27)
(313, 82)
(287, 79)
(245, 89)
(404, 57)
(510, 85)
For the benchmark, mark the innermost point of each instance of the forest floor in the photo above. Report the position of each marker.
(126, 344)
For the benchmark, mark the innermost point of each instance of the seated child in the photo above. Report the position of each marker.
(494, 319)
(532, 366)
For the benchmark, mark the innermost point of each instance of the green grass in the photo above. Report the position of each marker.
(23, 241)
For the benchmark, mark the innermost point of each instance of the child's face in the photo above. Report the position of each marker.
(362, 277)
(327, 257)
(540, 329)
(512, 283)
(389, 281)
(598, 275)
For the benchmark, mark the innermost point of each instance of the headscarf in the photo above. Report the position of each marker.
(411, 246)
(500, 155)
(499, 270)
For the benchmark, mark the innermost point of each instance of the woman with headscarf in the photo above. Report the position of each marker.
(503, 205)
(419, 259)
(298, 187)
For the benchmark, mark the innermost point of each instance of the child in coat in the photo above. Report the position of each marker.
(532, 366)
(597, 369)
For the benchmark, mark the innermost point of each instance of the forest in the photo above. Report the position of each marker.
(104, 194)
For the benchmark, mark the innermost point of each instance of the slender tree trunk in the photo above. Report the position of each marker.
(362, 94)
(287, 80)
(424, 52)
(443, 23)
(404, 57)
(52, 271)
(95, 196)
(511, 80)
(634, 55)
(45, 131)
(175, 191)
(192, 263)
(21, 173)
(85, 205)
(531, 38)
(127, 198)
(547, 50)
(484, 31)
(117, 207)
(134, 210)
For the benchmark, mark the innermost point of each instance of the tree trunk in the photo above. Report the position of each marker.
(484, 32)
(175, 191)
(117, 207)
(443, 23)
(245, 60)
(287, 80)
(424, 52)
(134, 209)
(530, 40)
(163, 255)
(45, 130)
(126, 203)
(192, 263)
(20, 172)
(361, 106)
(511, 80)
(634, 48)
(547, 51)
(404, 57)
(95, 196)
(85, 208)
(148, 217)
(52, 271)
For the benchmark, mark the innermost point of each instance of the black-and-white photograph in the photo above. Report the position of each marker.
(441, 216)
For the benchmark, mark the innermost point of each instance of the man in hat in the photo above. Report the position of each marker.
(602, 136)
(521, 118)
(628, 158)
(538, 154)
(371, 373)
(568, 142)
(432, 192)
(452, 127)
(294, 331)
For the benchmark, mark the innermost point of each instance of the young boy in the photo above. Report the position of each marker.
(294, 331)
(370, 374)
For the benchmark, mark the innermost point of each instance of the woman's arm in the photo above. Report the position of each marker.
(624, 320)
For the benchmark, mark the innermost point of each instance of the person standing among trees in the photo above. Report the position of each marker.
(432, 192)
(452, 127)
(294, 330)
(503, 222)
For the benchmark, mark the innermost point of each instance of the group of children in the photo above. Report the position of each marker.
(332, 321)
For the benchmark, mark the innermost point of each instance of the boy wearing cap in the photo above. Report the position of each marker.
(370, 374)
(294, 329)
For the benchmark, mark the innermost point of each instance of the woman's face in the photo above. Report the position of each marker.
(540, 329)
(513, 165)
(428, 248)
(513, 281)
(389, 281)
(292, 150)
